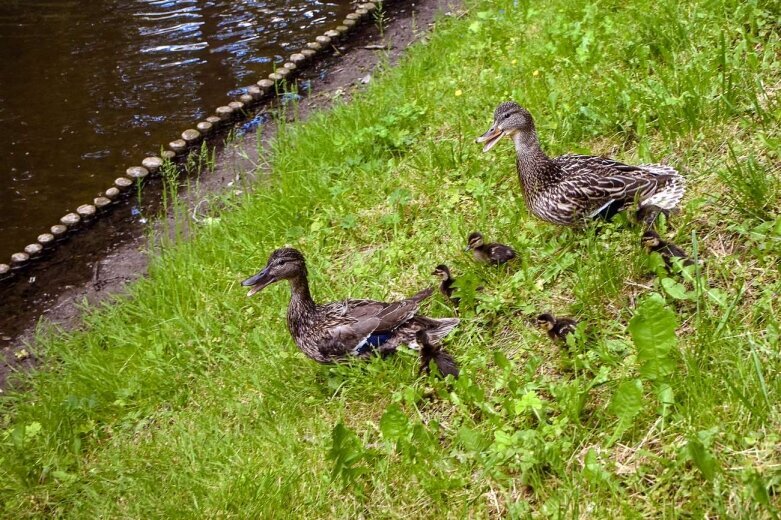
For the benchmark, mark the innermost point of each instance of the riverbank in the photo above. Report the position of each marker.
(188, 399)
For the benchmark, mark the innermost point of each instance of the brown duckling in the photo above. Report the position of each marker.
(653, 243)
(492, 253)
(431, 352)
(557, 328)
(446, 286)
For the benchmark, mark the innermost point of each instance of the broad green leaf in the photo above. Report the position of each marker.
(676, 289)
(470, 439)
(653, 332)
(394, 423)
(702, 458)
(627, 401)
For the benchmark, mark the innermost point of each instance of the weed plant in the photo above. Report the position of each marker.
(187, 399)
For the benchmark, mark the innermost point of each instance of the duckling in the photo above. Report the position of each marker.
(431, 352)
(446, 286)
(653, 243)
(334, 331)
(557, 328)
(493, 253)
(572, 189)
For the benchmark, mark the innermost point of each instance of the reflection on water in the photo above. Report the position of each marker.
(89, 88)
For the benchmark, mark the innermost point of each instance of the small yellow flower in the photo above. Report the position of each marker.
(514, 62)
(458, 92)
(536, 73)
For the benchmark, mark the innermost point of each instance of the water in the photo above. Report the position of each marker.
(90, 88)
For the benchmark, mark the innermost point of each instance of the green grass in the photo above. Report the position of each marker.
(188, 399)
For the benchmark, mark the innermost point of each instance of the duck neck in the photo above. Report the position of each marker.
(301, 302)
(535, 169)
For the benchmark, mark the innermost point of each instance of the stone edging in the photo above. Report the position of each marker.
(264, 89)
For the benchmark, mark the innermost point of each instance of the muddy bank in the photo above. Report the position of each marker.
(112, 252)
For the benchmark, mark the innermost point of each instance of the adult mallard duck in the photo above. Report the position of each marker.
(557, 328)
(653, 243)
(493, 253)
(337, 330)
(570, 189)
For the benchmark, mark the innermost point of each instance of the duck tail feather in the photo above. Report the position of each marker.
(422, 295)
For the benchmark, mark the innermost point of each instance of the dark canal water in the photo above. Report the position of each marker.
(88, 88)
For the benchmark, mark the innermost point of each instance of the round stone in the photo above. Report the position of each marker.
(33, 249)
(112, 192)
(255, 91)
(331, 34)
(86, 211)
(297, 57)
(369, 6)
(353, 16)
(361, 12)
(58, 230)
(4, 268)
(246, 99)
(122, 183)
(204, 127)
(71, 219)
(168, 155)
(349, 22)
(289, 65)
(323, 40)
(45, 239)
(19, 258)
(214, 120)
(315, 46)
(342, 29)
(136, 172)
(152, 163)
(276, 77)
(308, 52)
(224, 112)
(101, 202)
(191, 135)
(265, 83)
(178, 146)
(236, 105)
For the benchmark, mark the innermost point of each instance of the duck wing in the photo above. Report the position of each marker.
(615, 183)
(358, 326)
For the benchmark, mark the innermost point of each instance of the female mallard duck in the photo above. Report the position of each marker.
(570, 189)
(557, 328)
(653, 243)
(491, 253)
(446, 286)
(430, 352)
(333, 331)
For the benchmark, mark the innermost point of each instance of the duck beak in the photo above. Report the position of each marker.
(468, 248)
(490, 138)
(258, 282)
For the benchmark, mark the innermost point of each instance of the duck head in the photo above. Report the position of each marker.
(509, 119)
(283, 264)
(545, 321)
(650, 239)
(473, 241)
(442, 272)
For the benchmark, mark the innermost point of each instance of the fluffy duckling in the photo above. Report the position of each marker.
(557, 328)
(492, 253)
(431, 352)
(653, 243)
(446, 286)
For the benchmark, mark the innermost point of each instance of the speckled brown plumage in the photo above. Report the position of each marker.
(571, 189)
(333, 331)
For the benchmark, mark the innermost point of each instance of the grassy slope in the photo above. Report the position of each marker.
(190, 399)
